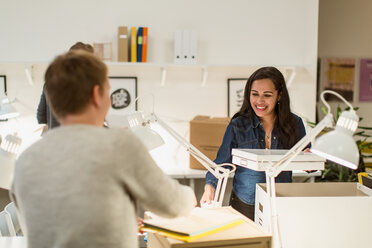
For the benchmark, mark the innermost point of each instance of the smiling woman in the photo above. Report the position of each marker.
(263, 121)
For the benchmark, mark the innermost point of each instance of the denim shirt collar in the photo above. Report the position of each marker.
(255, 121)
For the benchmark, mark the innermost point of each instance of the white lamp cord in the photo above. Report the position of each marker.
(336, 94)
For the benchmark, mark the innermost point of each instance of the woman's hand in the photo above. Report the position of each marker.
(139, 221)
(208, 195)
(140, 224)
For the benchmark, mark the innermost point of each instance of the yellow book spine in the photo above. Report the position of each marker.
(133, 45)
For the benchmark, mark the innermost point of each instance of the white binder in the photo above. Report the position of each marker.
(178, 47)
(186, 47)
(193, 46)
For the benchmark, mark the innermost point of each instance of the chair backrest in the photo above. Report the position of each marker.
(6, 225)
(12, 211)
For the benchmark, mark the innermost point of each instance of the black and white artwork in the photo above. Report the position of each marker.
(123, 93)
(235, 94)
(3, 91)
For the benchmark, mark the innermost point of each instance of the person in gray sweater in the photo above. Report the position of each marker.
(79, 185)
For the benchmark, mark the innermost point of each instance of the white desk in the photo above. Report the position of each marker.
(13, 242)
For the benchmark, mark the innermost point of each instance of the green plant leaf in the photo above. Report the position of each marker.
(365, 128)
(339, 111)
(324, 110)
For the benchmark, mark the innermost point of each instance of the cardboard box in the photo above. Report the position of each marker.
(318, 214)
(247, 234)
(206, 135)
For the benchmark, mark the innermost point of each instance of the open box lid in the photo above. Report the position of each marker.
(257, 159)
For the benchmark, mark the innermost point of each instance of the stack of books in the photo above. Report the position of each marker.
(365, 179)
(133, 47)
(202, 222)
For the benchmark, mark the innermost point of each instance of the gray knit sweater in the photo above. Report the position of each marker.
(78, 185)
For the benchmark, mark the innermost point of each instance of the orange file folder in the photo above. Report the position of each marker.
(144, 45)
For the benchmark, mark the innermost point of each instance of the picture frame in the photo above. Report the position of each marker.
(365, 80)
(123, 93)
(235, 94)
(339, 75)
(3, 86)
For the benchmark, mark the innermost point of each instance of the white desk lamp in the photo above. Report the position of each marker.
(337, 145)
(140, 125)
(7, 111)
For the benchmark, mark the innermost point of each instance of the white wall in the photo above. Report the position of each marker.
(231, 32)
(344, 32)
(235, 32)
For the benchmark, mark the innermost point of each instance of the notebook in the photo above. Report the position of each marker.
(200, 223)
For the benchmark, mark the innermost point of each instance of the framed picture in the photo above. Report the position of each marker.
(235, 94)
(3, 85)
(365, 80)
(123, 93)
(340, 74)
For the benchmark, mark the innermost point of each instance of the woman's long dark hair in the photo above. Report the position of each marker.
(286, 125)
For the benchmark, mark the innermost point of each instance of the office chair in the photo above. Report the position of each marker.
(6, 225)
(12, 211)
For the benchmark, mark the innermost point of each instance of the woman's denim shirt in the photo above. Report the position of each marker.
(242, 133)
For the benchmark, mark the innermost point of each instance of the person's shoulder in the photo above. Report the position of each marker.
(296, 117)
(122, 136)
(240, 120)
(32, 151)
(242, 123)
(120, 132)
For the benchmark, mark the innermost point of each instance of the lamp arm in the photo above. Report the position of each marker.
(275, 169)
(221, 173)
(204, 160)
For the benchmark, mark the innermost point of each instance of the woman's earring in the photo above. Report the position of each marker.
(278, 102)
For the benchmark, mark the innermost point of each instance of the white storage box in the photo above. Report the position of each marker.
(257, 159)
(319, 214)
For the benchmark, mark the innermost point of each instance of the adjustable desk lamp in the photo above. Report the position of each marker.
(7, 111)
(337, 145)
(140, 125)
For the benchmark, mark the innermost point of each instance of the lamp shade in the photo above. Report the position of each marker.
(149, 137)
(7, 111)
(141, 128)
(339, 145)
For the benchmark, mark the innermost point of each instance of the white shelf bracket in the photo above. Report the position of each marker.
(291, 77)
(163, 75)
(29, 71)
(204, 75)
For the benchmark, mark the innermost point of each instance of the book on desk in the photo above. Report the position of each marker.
(200, 223)
(212, 227)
